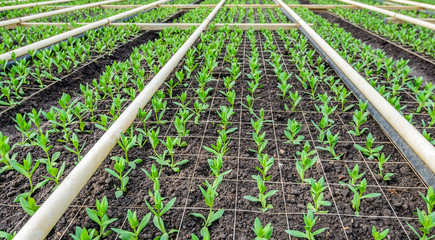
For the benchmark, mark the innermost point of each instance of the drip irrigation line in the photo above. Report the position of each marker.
(418, 164)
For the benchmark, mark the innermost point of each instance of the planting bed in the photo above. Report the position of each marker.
(236, 98)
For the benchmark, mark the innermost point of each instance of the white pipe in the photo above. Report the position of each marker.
(40, 224)
(419, 4)
(52, 13)
(63, 36)
(423, 148)
(32, 5)
(392, 14)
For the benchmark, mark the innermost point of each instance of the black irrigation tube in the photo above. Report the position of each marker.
(426, 174)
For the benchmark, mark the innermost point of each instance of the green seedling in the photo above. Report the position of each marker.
(381, 160)
(100, 217)
(155, 177)
(29, 205)
(359, 118)
(266, 164)
(27, 170)
(77, 149)
(354, 175)
(295, 99)
(429, 199)
(262, 233)
(158, 210)
(209, 198)
(322, 127)
(7, 236)
(215, 165)
(84, 234)
(309, 221)
(135, 225)
(24, 126)
(126, 143)
(118, 172)
(199, 107)
(5, 153)
(262, 196)
(55, 174)
(359, 191)
(331, 141)
(427, 222)
(291, 132)
(170, 144)
(159, 107)
(42, 140)
(103, 123)
(316, 191)
(379, 235)
(304, 164)
(369, 151)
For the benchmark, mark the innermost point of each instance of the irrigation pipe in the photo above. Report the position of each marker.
(392, 14)
(52, 13)
(32, 5)
(418, 4)
(423, 148)
(40, 224)
(63, 36)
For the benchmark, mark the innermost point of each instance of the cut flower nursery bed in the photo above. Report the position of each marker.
(214, 132)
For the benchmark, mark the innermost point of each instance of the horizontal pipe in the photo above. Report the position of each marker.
(398, 21)
(392, 14)
(416, 141)
(63, 36)
(181, 26)
(40, 224)
(32, 5)
(419, 4)
(52, 13)
(308, 6)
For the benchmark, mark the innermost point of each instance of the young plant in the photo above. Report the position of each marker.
(77, 149)
(27, 170)
(293, 128)
(262, 233)
(258, 138)
(126, 143)
(7, 236)
(199, 107)
(266, 164)
(209, 198)
(369, 151)
(354, 175)
(305, 163)
(309, 221)
(359, 191)
(55, 174)
(262, 196)
(84, 234)
(158, 210)
(379, 235)
(381, 160)
(331, 141)
(359, 118)
(100, 217)
(429, 199)
(120, 164)
(316, 191)
(170, 145)
(135, 225)
(159, 107)
(29, 205)
(427, 221)
(295, 99)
